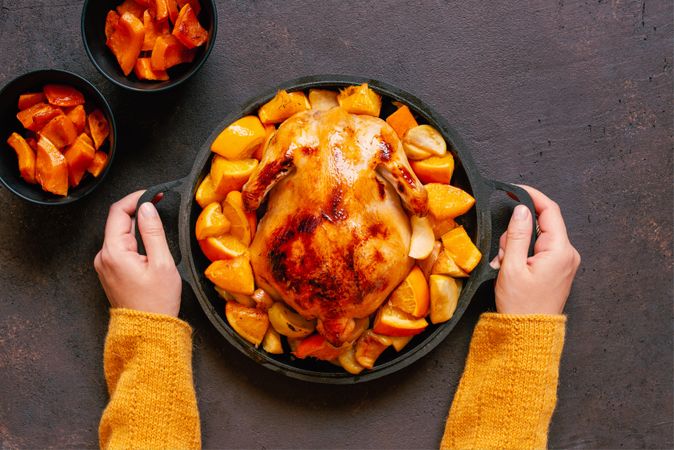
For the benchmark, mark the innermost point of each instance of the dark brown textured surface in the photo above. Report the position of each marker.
(574, 97)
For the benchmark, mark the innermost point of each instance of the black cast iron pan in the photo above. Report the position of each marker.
(477, 223)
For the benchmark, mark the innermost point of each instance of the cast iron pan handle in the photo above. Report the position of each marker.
(148, 196)
(488, 272)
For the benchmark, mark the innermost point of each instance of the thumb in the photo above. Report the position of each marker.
(518, 237)
(152, 232)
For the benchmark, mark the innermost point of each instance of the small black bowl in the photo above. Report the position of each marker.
(93, 35)
(9, 166)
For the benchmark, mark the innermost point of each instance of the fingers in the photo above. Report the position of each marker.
(119, 220)
(154, 239)
(550, 221)
(518, 237)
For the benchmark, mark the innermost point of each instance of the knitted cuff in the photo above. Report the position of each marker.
(127, 321)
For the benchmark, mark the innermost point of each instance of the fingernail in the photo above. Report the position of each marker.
(521, 212)
(148, 210)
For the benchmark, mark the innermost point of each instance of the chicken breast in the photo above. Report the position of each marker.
(334, 240)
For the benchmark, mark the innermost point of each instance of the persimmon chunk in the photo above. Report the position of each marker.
(168, 52)
(79, 157)
(126, 41)
(60, 131)
(98, 127)
(26, 156)
(111, 21)
(30, 99)
(98, 164)
(62, 95)
(196, 6)
(152, 31)
(144, 71)
(78, 117)
(131, 6)
(51, 168)
(37, 116)
(188, 30)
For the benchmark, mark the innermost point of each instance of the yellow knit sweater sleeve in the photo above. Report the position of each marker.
(148, 368)
(508, 390)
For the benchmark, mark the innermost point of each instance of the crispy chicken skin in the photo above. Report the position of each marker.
(334, 240)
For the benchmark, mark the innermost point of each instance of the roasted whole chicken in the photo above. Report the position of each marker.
(334, 240)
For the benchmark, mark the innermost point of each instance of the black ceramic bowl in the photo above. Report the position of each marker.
(9, 168)
(93, 35)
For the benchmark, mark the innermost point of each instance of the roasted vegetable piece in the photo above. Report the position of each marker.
(28, 100)
(401, 121)
(79, 157)
(172, 10)
(51, 168)
(360, 100)
(444, 297)
(152, 31)
(131, 6)
(436, 169)
(111, 21)
(348, 361)
(250, 323)
(196, 6)
(60, 131)
(158, 10)
(462, 250)
(272, 342)
(98, 127)
(423, 141)
(168, 52)
(26, 156)
(289, 323)
(188, 30)
(369, 347)
(282, 106)
(37, 116)
(317, 347)
(126, 41)
(78, 117)
(322, 99)
(98, 164)
(144, 71)
(62, 95)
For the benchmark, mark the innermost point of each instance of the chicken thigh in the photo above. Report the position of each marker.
(334, 240)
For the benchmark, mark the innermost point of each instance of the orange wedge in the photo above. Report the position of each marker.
(444, 297)
(222, 247)
(447, 202)
(390, 321)
(283, 105)
(228, 176)
(206, 193)
(436, 169)
(211, 222)
(242, 223)
(250, 323)
(239, 140)
(234, 275)
(461, 249)
(411, 296)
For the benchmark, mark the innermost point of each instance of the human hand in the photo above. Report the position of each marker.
(539, 284)
(145, 283)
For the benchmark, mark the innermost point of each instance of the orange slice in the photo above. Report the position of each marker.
(447, 202)
(250, 323)
(211, 222)
(239, 140)
(234, 275)
(360, 100)
(390, 321)
(228, 176)
(436, 169)
(411, 296)
(444, 297)
(242, 223)
(283, 105)
(206, 193)
(222, 247)
(461, 249)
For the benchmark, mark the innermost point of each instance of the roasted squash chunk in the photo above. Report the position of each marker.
(188, 30)
(79, 157)
(126, 41)
(99, 128)
(144, 71)
(51, 168)
(60, 131)
(168, 52)
(26, 156)
(61, 95)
